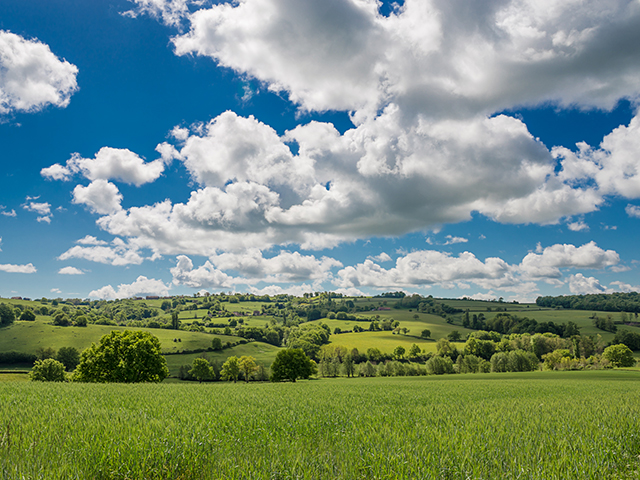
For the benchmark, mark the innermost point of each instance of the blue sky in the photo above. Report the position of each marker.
(165, 147)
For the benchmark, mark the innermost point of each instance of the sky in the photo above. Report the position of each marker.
(441, 147)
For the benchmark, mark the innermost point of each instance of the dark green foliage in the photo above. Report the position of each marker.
(48, 370)
(612, 302)
(216, 344)
(7, 315)
(16, 357)
(630, 339)
(291, 364)
(28, 316)
(439, 365)
(125, 357)
(69, 357)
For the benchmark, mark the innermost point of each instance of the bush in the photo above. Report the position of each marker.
(69, 357)
(439, 365)
(619, 355)
(48, 370)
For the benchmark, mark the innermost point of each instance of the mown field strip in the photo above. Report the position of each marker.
(547, 425)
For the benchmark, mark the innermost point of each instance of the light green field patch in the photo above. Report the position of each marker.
(262, 352)
(27, 337)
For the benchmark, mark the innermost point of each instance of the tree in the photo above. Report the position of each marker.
(166, 305)
(28, 316)
(69, 357)
(231, 369)
(619, 355)
(291, 364)
(216, 344)
(175, 321)
(80, 321)
(398, 352)
(348, 365)
(247, 366)
(7, 315)
(127, 357)
(201, 369)
(45, 352)
(426, 333)
(48, 370)
(454, 336)
(414, 351)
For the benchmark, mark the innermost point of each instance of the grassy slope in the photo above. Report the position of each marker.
(262, 352)
(29, 336)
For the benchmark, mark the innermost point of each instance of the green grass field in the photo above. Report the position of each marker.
(262, 352)
(29, 336)
(537, 426)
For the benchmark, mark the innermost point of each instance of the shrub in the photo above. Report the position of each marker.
(48, 370)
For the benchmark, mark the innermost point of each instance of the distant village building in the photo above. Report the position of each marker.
(384, 308)
(256, 313)
(16, 298)
(152, 297)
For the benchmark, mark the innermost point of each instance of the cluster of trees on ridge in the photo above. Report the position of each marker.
(602, 302)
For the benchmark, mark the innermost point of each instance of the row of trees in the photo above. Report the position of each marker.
(603, 302)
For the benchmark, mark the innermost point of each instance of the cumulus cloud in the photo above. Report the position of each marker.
(252, 267)
(578, 226)
(31, 76)
(108, 164)
(580, 285)
(451, 240)
(118, 253)
(70, 271)
(100, 196)
(141, 287)
(28, 268)
(90, 240)
(625, 287)
(426, 267)
(548, 262)
(424, 88)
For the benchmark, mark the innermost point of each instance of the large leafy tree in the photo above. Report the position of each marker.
(126, 357)
(7, 315)
(291, 364)
(69, 357)
(231, 369)
(201, 369)
(248, 365)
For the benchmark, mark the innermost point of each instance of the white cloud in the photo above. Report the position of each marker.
(547, 263)
(3, 211)
(91, 240)
(451, 240)
(633, 210)
(108, 164)
(118, 254)
(578, 226)
(55, 290)
(625, 287)
(170, 11)
(580, 285)
(141, 287)
(31, 76)
(42, 209)
(426, 267)
(422, 87)
(70, 271)
(383, 257)
(100, 196)
(252, 267)
(206, 276)
(28, 268)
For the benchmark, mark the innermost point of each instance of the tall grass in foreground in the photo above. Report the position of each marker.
(565, 425)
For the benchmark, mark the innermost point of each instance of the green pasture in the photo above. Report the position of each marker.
(264, 354)
(534, 426)
(27, 337)
(386, 342)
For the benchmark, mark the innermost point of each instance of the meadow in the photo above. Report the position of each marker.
(545, 425)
